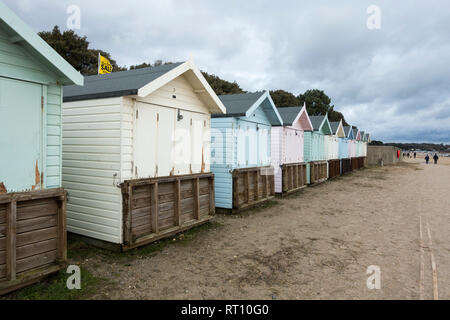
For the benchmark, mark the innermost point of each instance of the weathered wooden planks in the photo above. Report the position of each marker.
(252, 186)
(32, 236)
(358, 163)
(346, 165)
(318, 171)
(334, 168)
(294, 177)
(158, 207)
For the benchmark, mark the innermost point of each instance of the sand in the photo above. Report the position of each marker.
(315, 244)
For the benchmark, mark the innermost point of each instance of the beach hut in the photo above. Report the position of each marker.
(345, 150)
(32, 204)
(360, 150)
(356, 149)
(241, 148)
(315, 150)
(333, 140)
(287, 149)
(136, 154)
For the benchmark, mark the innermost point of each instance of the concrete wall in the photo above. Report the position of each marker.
(387, 153)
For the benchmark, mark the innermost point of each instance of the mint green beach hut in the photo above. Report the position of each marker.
(32, 205)
(314, 149)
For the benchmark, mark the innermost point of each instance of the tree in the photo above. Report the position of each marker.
(75, 50)
(148, 65)
(221, 86)
(282, 98)
(318, 103)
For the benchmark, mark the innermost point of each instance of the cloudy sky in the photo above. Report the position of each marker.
(393, 82)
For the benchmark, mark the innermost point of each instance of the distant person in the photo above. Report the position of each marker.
(407, 155)
(435, 158)
(427, 158)
(415, 155)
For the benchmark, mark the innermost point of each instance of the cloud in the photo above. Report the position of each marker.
(393, 82)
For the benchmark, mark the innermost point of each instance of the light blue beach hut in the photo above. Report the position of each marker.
(240, 150)
(344, 150)
(314, 149)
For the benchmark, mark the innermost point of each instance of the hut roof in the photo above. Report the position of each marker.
(321, 123)
(348, 132)
(142, 82)
(289, 114)
(334, 126)
(244, 104)
(116, 84)
(20, 34)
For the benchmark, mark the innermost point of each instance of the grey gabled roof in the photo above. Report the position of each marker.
(116, 84)
(289, 114)
(355, 132)
(347, 130)
(238, 104)
(334, 126)
(316, 121)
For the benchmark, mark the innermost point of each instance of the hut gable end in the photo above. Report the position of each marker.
(178, 93)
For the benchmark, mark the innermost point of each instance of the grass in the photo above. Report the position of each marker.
(55, 288)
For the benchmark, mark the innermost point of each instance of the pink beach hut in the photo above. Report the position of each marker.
(287, 149)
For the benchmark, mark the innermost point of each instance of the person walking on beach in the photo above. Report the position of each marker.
(427, 158)
(435, 158)
(415, 155)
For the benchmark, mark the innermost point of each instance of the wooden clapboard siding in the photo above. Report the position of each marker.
(32, 234)
(223, 156)
(52, 171)
(287, 148)
(277, 152)
(92, 166)
(160, 207)
(343, 148)
(332, 147)
(17, 62)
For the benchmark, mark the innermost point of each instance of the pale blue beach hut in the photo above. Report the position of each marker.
(240, 150)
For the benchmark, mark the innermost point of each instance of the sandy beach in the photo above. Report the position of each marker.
(315, 244)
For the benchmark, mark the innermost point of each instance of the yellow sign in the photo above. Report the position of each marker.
(104, 66)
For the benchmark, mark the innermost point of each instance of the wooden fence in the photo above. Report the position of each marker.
(358, 163)
(318, 171)
(33, 241)
(293, 177)
(252, 186)
(156, 208)
(346, 165)
(334, 168)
